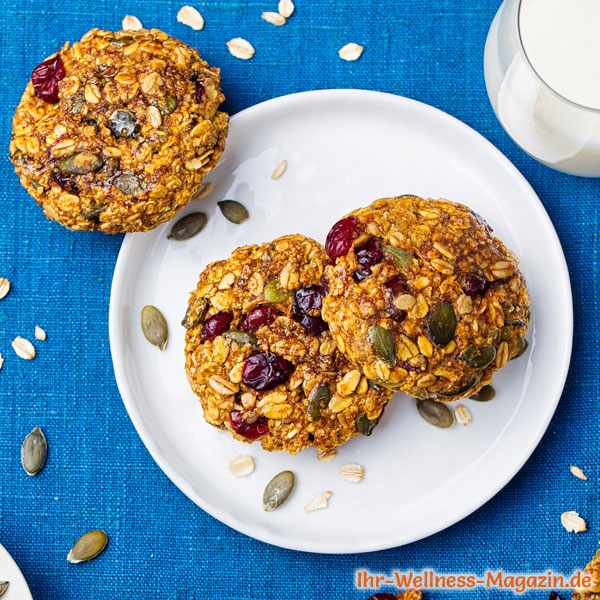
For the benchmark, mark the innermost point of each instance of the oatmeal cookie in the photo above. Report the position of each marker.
(262, 360)
(408, 595)
(117, 131)
(591, 592)
(423, 298)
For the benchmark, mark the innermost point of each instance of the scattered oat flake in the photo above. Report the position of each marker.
(131, 23)
(241, 48)
(572, 522)
(463, 415)
(323, 456)
(274, 18)
(351, 51)
(317, 502)
(286, 8)
(578, 473)
(23, 348)
(189, 16)
(40, 334)
(204, 190)
(241, 465)
(352, 472)
(1, 361)
(279, 170)
(4, 286)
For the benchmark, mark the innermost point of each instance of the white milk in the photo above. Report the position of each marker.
(561, 41)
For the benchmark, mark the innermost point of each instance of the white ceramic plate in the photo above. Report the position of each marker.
(9, 571)
(344, 148)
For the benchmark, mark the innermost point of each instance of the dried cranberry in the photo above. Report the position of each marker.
(475, 284)
(45, 78)
(251, 431)
(200, 92)
(308, 298)
(265, 370)
(340, 238)
(368, 255)
(384, 596)
(216, 325)
(554, 596)
(259, 316)
(409, 367)
(314, 325)
(396, 286)
(65, 182)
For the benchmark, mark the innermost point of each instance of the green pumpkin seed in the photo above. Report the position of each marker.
(402, 258)
(241, 337)
(129, 184)
(273, 292)
(4, 585)
(478, 357)
(441, 324)
(233, 211)
(460, 391)
(154, 327)
(76, 103)
(515, 322)
(278, 490)
(375, 383)
(364, 425)
(435, 413)
(522, 346)
(485, 394)
(187, 227)
(120, 41)
(318, 399)
(168, 105)
(505, 334)
(123, 124)
(94, 213)
(383, 344)
(88, 547)
(34, 451)
(80, 163)
(187, 323)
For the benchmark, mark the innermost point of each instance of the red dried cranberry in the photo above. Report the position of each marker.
(368, 255)
(251, 431)
(408, 367)
(314, 325)
(396, 287)
(308, 298)
(45, 78)
(265, 370)
(554, 596)
(340, 238)
(200, 92)
(216, 325)
(259, 316)
(384, 596)
(475, 284)
(65, 182)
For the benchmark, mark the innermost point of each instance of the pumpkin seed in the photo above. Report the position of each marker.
(4, 585)
(199, 317)
(233, 211)
(80, 163)
(241, 337)
(435, 413)
(120, 41)
(278, 490)
(88, 547)
(274, 293)
(123, 124)
(375, 383)
(402, 258)
(383, 344)
(441, 324)
(478, 357)
(460, 391)
(364, 425)
(318, 399)
(34, 451)
(168, 105)
(505, 334)
(187, 227)
(94, 213)
(522, 346)
(155, 327)
(76, 103)
(485, 394)
(128, 183)
(515, 322)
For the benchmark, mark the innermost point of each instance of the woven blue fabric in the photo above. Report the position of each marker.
(98, 472)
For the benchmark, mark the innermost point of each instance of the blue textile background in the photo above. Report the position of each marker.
(99, 475)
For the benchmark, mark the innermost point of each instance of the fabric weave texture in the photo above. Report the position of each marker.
(98, 473)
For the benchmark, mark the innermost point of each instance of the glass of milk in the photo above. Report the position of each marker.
(542, 73)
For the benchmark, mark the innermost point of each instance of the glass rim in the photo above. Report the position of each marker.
(540, 78)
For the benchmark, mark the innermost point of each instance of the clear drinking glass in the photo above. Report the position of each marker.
(551, 128)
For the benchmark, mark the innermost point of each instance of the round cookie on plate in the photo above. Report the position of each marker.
(262, 360)
(117, 131)
(423, 298)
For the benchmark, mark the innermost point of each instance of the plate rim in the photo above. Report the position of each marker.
(171, 470)
(23, 585)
